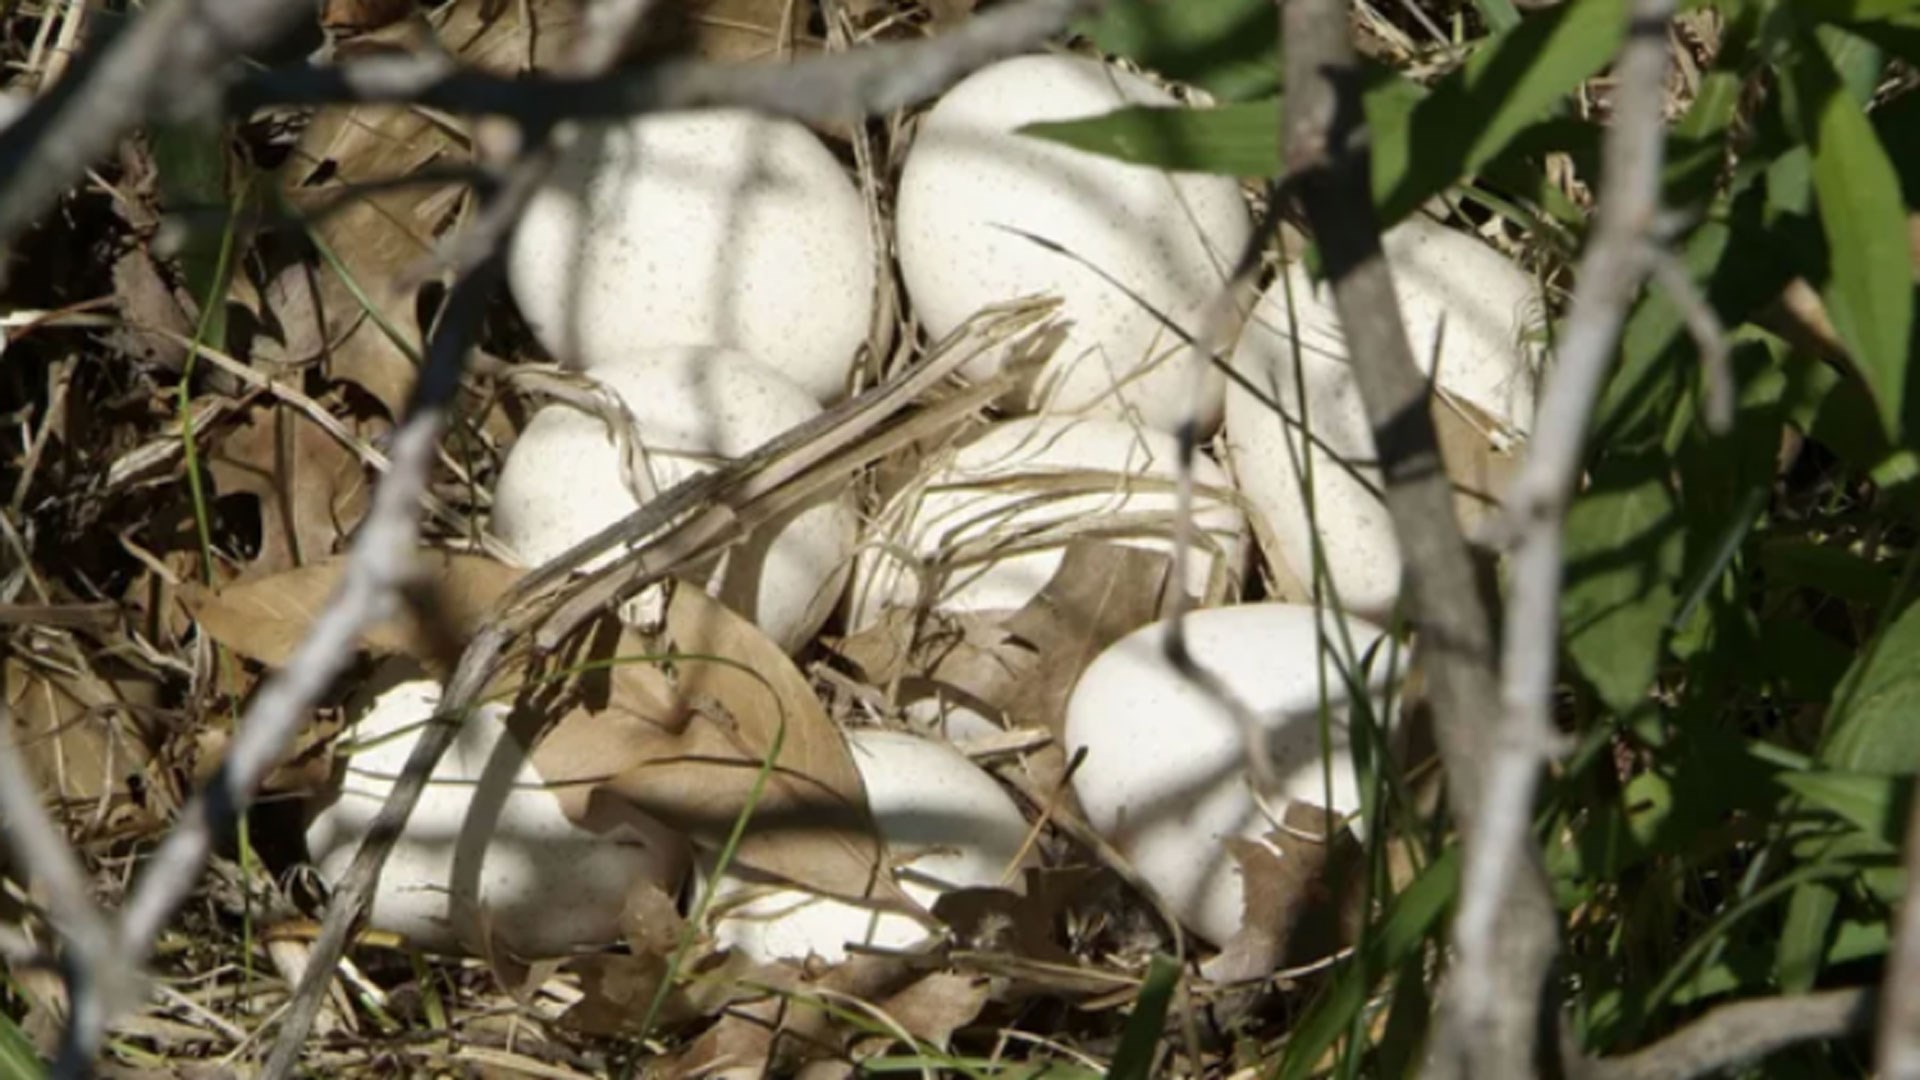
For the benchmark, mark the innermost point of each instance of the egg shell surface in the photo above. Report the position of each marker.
(992, 524)
(714, 227)
(692, 407)
(1164, 777)
(945, 822)
(487, 855)
(1468, 309)
(970, 177)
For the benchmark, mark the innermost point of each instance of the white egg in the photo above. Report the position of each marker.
(1169, 237)
(947, 825)
(1165, 775)
(487, 856)
(987, 529)
(715, 227)
(1470, 314)
(562, 481)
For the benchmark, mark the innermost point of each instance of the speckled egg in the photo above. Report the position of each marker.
(970, 177)
(986, 528)
(1164, 777)
(947, 825)
(715, 227)
(1473, 317)
(692, 408)
(487, 860)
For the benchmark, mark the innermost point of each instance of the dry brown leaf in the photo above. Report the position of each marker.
(265, 619)
(83, 737)
(1479, 471)
(1293, 896)
(1101, 593)
(383, 237)
(312, 490)
(345, 17)
(811, 824)
(784, 1031)
(146, 302)
(743, 30)
(931, 1009)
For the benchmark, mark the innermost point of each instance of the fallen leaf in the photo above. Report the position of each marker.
(82, 737)
(312, 490)
(1294, 887)
(265, 619)
(782, 1031)
(382, 236)
(346, 17)
(1480, 470)
(811, 825)
(1101, 593)
(742, 30)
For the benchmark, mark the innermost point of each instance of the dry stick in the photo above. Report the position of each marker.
(837, 87)
(1898, 1052)
(1326, 159)
(1500, 860)
(1744, 1031)
(182, 45)
(94, 982)
(380, 562)
(526, 605)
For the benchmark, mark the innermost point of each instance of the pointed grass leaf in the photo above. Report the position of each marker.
(1227, 47)
(1134, 1059)
(1875, 804)
(1871, 727)
(1869, 289)
(1623, 553)
(1233, 140)
(1511, 81)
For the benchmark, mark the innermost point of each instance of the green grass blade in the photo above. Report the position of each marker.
(1869, 287)
(1134, 1059)
(18, 1059)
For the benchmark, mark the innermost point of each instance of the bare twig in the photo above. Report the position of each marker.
(1742, 1032)
(836, 87)
(1898, 1052)
(1327, 161)
(1500, 858)
(184, 46)
(95, 983)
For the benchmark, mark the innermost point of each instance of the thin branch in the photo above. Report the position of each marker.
(1742, 1032)
(173, 57)
(1500, 855)
(1326, 158)
(827, 88)
(95, 983)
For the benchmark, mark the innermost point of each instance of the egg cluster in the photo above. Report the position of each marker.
(713, 274)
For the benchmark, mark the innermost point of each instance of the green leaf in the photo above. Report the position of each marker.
(1234, 140)
(1834, 570)
(1512, 80)
(1410, 919)
(18, 1059)
(1134, 1059)
(1869, 290)
(1875, 804)
(1803, 936)
(1872, 727)
(1230, 48)
(1623, 552)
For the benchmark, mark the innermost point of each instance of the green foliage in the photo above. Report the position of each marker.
(1623, 547)
(1134, 1059)
(17, 1056)
(1870, 282)
(1742, 651)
